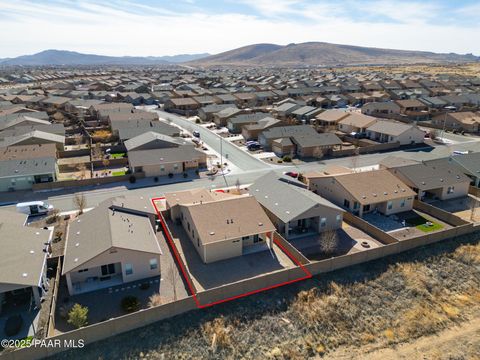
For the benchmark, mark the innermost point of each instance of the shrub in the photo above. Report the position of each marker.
(197, 172)
(170, 175)
(130, 304)
(78, 316)
(185, 175)
(132, 179)
(279, 161)
(13, 325)
(155, 300)
(197, 121)
(155, 179)
(287, 159)
(58, 236)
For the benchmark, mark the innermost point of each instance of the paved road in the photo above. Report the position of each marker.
(237, 156)
(252, 168)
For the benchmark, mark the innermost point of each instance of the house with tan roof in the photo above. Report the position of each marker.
(221, 226)
(356, 123)
(364, 192)
(329, 118)
(462, 121)
(114, 243)
(385, 131)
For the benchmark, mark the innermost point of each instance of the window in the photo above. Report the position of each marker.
(450, 189)
(108, 269)
(245, 238)
(256, 238)
(175, 166)
(346, 203)
(83, 270)
(153, 264)
(323, 222)
(339, 218)
(188, 225)
(162, 167)
(355, 205)
(402, 203)
(390, 205)
(366, 208)
(128, 269)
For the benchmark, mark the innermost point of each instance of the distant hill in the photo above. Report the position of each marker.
(326, 54)
(63, 57)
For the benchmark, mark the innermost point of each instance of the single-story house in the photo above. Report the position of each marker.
(23, 264)
(438, 179)
(463, 121)
(110, 245)
(385, 131)
(221, 227)
(356, 123)
(364, 192)
(470, 163)
(295, 211)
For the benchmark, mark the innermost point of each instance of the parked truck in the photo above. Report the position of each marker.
(34, 208)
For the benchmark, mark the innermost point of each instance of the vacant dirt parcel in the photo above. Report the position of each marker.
(381, 304)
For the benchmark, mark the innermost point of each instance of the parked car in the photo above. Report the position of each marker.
(292, 174)
(252, 147)
(252, 142)
(360, 135)
(196, 134)
(34, 208)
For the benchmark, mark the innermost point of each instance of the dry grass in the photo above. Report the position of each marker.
(155, 300)
(469, 254)
(218, 333)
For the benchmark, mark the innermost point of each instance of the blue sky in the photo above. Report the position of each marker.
(153, 27)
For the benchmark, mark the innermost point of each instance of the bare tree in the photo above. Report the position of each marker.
(329, 242)
(473, 208)
(82, 168)
(105, 163)
(80, 202)
(172, 277)
(355, 159)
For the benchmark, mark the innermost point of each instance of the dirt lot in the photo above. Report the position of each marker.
(406, 306)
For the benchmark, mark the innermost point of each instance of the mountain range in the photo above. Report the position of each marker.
(303, 54)
(324, 54)
(63, 57)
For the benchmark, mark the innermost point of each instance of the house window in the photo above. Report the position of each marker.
(162, 167)
(346, 203)
(83, 270)
(339, 218)
(244, 238)
(390, 205)
(153, 264)
(188, 225)
(256, 239)
(355, 205)
(402, 203)
(323, 222)
(366, 208)
(450, 189)
(108, 269)
(128, 269)
(175, 166)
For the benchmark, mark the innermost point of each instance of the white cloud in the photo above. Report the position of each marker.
(98, 27)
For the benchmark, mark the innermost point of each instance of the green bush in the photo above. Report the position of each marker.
(78, 316)
(130, 304)
(132, 179)
(287, 159)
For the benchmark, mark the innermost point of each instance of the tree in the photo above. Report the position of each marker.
(473, 208)
(82, 168)
(172, 277)
(105, 163)
(78, 316)
(329, 242)
(80, 202)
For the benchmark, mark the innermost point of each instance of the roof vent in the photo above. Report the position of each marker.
(260, 224)
(32, 252)
(78, 232)
(212, 232)
(37, 233)
(75, 260)
(77, 244)
(441, 180)
(385, 193)
(24, 274)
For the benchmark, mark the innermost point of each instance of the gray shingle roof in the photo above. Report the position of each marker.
(285, 198)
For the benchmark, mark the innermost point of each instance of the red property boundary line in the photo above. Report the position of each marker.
(308, 275)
